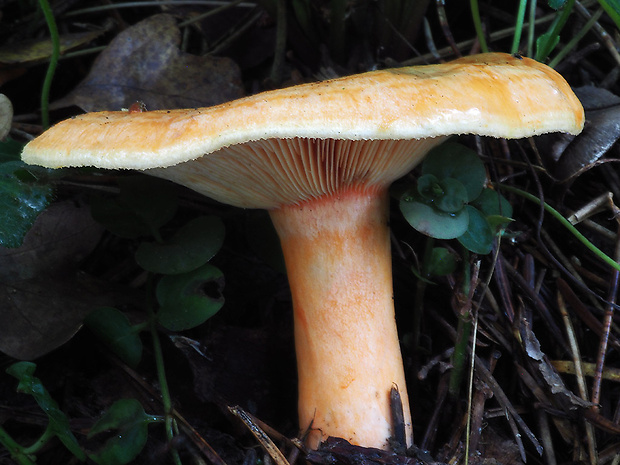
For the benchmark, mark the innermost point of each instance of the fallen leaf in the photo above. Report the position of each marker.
(144, 63)
(601, 132)
(43, 299)
(596, 98)
(242, 363)
(39, 50)
(553, 381)
(6, 116)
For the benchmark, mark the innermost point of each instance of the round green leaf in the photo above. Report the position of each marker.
(432, 222)
(450, 160)
(442, 262)
(455, 196)
(153, 200)
(192, 246)
(479, 237)
(117, 218)
(114, 329)
(495, 207)
(428, 187)
(143, 206)
(190, 299)
(448, 195)
(127, 418)
(491, 202)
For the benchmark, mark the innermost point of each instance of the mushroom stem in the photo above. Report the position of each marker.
(337, 253)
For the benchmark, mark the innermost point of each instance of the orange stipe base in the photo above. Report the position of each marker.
(337, 253)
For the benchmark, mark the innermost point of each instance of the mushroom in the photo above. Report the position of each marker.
(320, 158)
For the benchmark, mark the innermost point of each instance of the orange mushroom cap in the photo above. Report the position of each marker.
(275, 136)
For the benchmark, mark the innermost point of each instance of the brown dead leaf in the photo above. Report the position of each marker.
(144, 63)
(554, 382)
(237, 363)
(35, 51)
(6, 116)
(42, 298)
(601, 132)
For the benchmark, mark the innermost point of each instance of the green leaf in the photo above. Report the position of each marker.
(448, 195)
(58, 421)
(451, 160)
(432, 222)
(428, 187)
(192, 246)
(129, 421)
(24, 372)
(152, 199)
(190, 299)
(498, 222)
(491, 202)
(114, 329)
(615, 4)
(545, 44)
(22, 198)
(118, 218)
(495, 207)
(10, 150)
(143, 206)
(442, 262)
(479, 237)
(557, 4)
(612, 8)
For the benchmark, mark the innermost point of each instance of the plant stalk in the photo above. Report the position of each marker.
(558, 216)
(161, 377)
(51, 69)
(17, 452)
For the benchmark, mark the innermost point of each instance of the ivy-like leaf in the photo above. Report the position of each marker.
(143, 206)
(189, 299)
(192, 246)
(479, 237)
(495, 207)
(127, 418)
(442, 262)
(431, 221)
(58, 421)
(491, 202)
(22, 197)
(451, 160)
(448, 195)
(114, 329)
